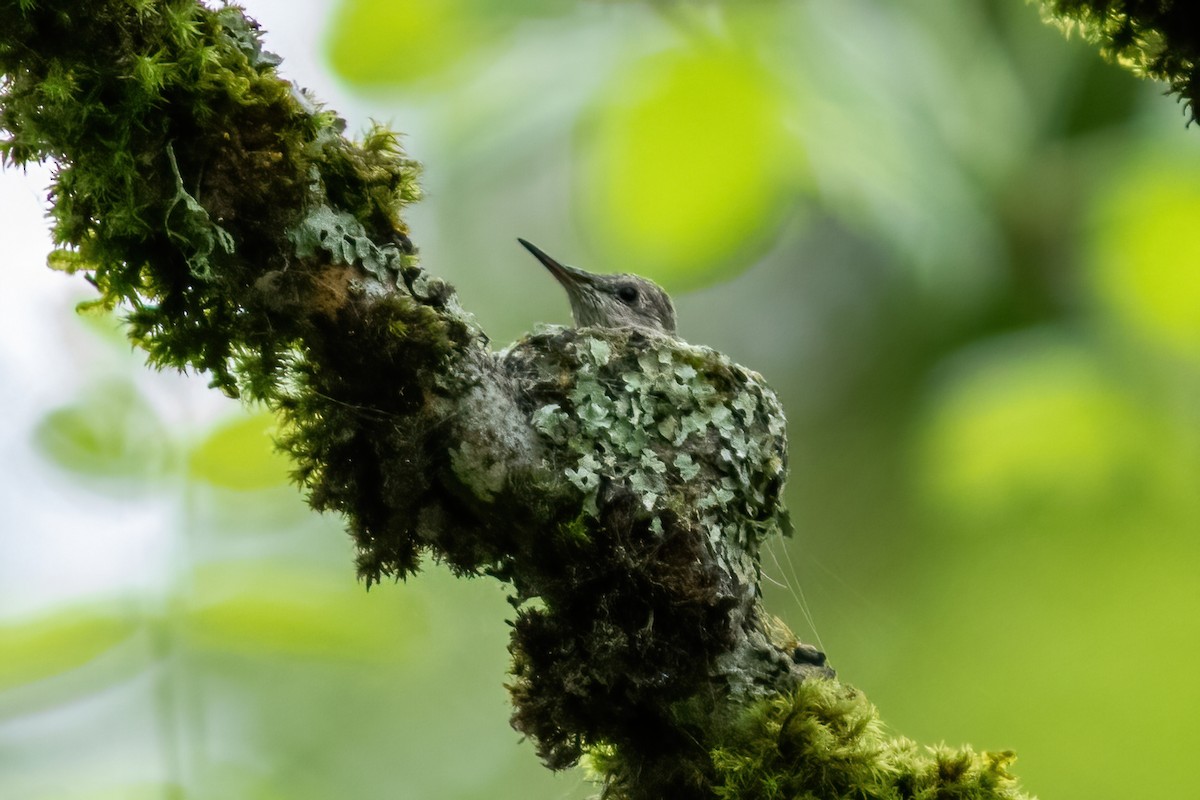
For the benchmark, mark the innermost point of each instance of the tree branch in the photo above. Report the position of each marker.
(620, 482)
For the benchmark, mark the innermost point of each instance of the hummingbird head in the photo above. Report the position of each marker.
(611, 301)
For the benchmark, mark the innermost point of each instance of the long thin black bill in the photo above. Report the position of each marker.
(565, 275)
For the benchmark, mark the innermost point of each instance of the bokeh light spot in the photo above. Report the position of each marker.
(685, 162)
(241, 455)
(372, 42)
(268, 609)
(1146, 253)
(1028, 424)
(113, 434)
(41, 648)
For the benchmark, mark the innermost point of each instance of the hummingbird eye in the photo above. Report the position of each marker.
(628, 293)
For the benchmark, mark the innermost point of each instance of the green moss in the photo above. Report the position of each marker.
(821, 740)
(244, 236)
(824, 740)
(185, 163)
(1159, 39)
(575, 530)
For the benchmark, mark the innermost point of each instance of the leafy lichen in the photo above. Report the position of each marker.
(679, 427)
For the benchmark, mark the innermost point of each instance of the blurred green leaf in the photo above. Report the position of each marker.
(687, 165)
(266, 610)
(1146, 250)
(112, 432)
(396, 42)
(106, 326)
(1028, 422)
(137, 791)
(123, 792)
(240, 454)
(375, 43)
(42, 648)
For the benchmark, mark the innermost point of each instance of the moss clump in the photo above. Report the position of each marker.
(1158, 38)
(184, 164)
(824, 740)
(244, 236)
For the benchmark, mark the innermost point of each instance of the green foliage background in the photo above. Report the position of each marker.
(962, 248)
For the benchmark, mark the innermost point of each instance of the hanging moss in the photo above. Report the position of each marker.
(1159, 39)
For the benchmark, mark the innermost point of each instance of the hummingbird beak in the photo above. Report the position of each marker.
(569, 277)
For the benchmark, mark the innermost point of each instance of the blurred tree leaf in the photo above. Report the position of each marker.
(1027, 422)
(686, 163)
(1146, 251)
(365, 45)
(267, 610)
(138, 791)
(42, 648)
(397, 42)
(240, 454)
(112, 433)
(108, 327)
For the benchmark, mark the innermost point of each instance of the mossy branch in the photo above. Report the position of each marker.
(1158, 39)
(620, 483)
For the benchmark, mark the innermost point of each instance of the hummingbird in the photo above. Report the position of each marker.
(611, 301)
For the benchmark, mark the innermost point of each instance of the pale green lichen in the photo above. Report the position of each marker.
(189, 225)
(343, 238)
(688, 468)
(680, 427)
